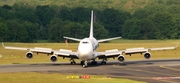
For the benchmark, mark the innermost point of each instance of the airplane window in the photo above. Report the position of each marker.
(84, 42)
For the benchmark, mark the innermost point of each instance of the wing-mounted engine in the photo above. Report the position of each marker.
(29, 55)
(121, 58)
(53, 58)
(147, 55)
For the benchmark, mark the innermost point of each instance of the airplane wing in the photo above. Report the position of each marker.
(143, 50)
(103, 40)
(109, 53)
(61, 53)
(66, 53)
(116, 53)
(36, 49)
(75, 39)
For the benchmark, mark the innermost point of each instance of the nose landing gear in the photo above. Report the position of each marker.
(84, 64)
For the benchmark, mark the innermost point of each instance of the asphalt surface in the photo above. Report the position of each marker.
(151, 71)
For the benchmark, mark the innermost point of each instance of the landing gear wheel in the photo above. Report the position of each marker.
(94, 63)
(73, 62)
(103, 63)
(84, 64)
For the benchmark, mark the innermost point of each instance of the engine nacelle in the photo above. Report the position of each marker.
(121, 58)
(147, 55)
(29, 55)
(53, 58)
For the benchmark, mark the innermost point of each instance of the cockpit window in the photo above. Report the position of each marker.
(84, 42)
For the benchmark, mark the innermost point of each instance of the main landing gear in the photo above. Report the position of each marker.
(85, 63)
(103, 62)
(72, 61)
(94, 62)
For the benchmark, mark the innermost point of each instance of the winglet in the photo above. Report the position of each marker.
(3, 44)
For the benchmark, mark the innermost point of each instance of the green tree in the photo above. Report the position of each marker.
(148, 29)
(132, 29)
(5, 13)
(45, 14)
(113, 21)
(55, 30)
(17, 32)
(3, 32)
(32, 31)
(164, 24)
(99, 31)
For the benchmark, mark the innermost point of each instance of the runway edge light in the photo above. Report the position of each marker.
(85, 77)
(73, 77)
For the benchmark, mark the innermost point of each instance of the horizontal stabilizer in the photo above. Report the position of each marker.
(75, 39)
(103, 40)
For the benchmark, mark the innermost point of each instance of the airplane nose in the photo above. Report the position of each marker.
(84, 52)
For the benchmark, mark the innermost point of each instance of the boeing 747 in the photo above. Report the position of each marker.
(86, 51)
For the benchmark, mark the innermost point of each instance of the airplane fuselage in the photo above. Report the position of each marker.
(86, 48)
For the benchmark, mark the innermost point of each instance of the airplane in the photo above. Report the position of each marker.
(86, 51)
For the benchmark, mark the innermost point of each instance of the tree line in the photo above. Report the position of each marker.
(23, 23)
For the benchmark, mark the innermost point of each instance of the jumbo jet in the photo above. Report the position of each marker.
(86, 51)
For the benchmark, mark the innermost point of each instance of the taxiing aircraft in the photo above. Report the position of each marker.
(86, 51)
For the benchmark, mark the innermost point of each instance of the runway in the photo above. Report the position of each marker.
(161, 71)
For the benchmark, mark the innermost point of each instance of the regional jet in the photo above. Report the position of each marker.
(86, 51)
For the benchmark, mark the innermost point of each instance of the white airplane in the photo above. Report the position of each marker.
(86, 51)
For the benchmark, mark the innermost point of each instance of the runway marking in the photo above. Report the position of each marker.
(168, 81)
(144, 71)
(149, 65)
(170, 68)
(146, 77)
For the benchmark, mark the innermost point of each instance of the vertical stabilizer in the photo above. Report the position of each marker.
(91, 26)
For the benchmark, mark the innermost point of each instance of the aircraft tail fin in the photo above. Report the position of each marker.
(91, 26)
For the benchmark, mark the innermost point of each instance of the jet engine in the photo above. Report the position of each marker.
(29, 55)
(53, 58)
(147, 55)
(121, 58)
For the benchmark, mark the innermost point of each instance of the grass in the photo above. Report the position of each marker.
(16, 56)
(34, 77)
